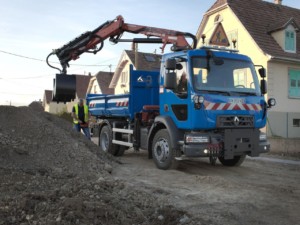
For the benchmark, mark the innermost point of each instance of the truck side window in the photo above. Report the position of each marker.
(182, 81)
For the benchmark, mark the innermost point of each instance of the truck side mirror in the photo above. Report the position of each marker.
(170, 80)
(262, 72)
(263, 86)
(170, 64)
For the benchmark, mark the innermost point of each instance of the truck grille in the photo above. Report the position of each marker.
(235, 121)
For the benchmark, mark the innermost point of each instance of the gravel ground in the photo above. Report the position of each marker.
(50, 174)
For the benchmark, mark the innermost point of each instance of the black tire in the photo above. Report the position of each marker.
(105, 141)
(162, 152)
(236, 161)
(121, 150)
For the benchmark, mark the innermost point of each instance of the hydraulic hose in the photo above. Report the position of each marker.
(193, 37)
(47, 60)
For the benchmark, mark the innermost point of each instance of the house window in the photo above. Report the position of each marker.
(218, 18)
(296, 122)
(294, 83)
(290, 41)
(124, 78)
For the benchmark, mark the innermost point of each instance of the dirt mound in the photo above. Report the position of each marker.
(50, 174)
(37, 106)
(38, 142)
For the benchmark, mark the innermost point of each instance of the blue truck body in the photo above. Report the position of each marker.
(144, 90)
(218, 115)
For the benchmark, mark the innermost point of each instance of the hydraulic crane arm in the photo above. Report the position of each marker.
(89, 41)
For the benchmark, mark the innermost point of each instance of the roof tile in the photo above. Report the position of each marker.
(146, 61)
(104, 79)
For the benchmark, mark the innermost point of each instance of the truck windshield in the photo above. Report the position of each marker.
(233, 77)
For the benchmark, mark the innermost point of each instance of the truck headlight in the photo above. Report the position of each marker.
(190, 138)
(262, 137)
(198, 99)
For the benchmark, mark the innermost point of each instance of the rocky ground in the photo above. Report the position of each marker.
(50, 174)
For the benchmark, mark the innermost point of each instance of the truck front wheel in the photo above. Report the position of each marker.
(162, 152)
(236, 161)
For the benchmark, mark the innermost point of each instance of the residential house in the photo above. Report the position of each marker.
(268, 32)
(51, 106)
(82, 83)
(99, 84)
(140, 61)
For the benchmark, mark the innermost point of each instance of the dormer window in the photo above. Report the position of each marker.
(285, 35)
(290, 40)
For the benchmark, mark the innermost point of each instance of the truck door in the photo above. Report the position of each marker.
(174, 101)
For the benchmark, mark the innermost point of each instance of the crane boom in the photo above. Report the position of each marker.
(89, 41)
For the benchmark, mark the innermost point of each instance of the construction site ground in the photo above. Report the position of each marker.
(51, 175)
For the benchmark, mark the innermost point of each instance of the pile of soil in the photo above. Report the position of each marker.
(38, 142)
(37, 106)
(50, 174)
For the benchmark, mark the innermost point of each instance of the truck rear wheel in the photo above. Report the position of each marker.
(162, 152)
(236, 161)
(105, 141)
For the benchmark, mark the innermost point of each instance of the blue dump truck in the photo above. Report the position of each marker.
(206, 102)
(218, 114)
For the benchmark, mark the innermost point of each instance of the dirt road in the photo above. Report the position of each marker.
(49, 180)
(258, 192)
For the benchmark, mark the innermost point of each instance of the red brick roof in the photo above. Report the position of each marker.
(217, 4)
(260, 17)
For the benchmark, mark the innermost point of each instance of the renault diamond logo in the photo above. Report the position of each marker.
(236, 121)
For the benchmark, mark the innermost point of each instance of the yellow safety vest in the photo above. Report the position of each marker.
(86, 113)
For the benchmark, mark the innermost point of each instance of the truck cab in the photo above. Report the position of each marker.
(212, 105)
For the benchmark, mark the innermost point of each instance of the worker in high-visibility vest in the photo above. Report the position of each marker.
(80, 114)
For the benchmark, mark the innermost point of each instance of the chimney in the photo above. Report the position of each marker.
(278, 2)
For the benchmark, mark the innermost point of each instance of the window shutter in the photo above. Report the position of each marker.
(290, 41)
(294, 83)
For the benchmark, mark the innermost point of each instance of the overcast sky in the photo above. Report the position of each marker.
(31, 29)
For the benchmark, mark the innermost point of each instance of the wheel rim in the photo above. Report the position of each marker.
(104, 141)
(161, 150)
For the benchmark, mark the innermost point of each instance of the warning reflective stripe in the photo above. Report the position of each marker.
(122, 104)
(221, 106)
(241, 106)
(209, 106)
(250, 107)
(231, 106)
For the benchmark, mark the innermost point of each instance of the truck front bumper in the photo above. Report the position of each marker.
(234, 142)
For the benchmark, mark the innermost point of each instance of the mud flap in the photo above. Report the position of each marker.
(241, 141)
